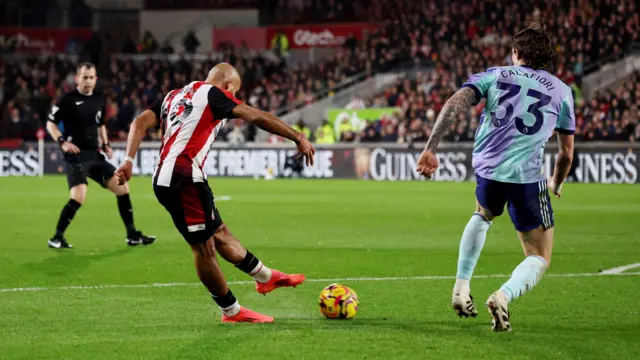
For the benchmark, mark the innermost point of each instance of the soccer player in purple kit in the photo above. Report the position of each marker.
(525, 103)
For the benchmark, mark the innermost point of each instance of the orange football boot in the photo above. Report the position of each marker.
(246, 315)
(279, 279)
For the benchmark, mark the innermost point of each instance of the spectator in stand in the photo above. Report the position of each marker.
(346, 130)
(191, 42)
(23, 96)
(303, 128)
(149, 44)
(126, 113)
(369, 134)
(129, 46)
(389, 134)
(13, 127)
(280, 45)
(167, 48)
(324, 133)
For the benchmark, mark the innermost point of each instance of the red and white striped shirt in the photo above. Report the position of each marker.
(190, 119)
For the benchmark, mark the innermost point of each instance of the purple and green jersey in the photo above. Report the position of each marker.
(523, 108)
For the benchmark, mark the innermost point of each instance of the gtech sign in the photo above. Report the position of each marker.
(39, 40)
(309, 36)
(312, 39)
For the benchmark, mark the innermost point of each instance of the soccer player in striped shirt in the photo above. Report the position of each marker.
(190, 119)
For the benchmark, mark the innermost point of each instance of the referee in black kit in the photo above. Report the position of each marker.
(82, 112)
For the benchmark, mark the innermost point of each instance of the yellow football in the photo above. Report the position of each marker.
(338, 302)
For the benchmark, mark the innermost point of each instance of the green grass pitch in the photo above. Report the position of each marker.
(325, 229)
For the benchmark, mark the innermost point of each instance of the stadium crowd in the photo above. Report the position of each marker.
(612, 115)
(452, 37)
(448, 36)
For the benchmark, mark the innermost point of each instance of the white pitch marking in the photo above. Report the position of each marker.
(398, 278)
(619, 269)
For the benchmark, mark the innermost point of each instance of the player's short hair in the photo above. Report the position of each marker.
(85, 65)
(534, 46)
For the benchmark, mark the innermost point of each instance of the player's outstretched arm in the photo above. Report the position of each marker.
(274, 125)
(563, 163)
(462, 99)
(137, 130)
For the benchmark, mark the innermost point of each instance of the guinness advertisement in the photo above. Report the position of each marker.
(19, 162)
(394, 164)
(594, 164)
(605, 166)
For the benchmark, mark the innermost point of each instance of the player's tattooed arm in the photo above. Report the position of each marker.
(461, 100)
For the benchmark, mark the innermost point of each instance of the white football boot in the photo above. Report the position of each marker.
(463, 305)
(497, 306)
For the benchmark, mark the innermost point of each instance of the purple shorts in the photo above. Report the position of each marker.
(529, 204)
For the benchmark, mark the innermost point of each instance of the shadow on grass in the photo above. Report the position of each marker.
(311, 334)
(378, 323)
(70, 261)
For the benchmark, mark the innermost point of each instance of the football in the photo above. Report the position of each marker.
(338, 302)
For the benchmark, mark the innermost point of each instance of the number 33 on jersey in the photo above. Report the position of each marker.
(523, 108)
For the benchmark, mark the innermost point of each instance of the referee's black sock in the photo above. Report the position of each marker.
(66, 215)
(126, 213)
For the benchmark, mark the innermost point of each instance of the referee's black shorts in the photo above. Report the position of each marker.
(192, 209)
(90, 164)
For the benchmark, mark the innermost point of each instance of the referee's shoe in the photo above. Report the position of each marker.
(135, 239)
(59, 243)
(138, 238)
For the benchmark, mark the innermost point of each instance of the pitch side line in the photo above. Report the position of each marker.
(398, 278)
(620, 269)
